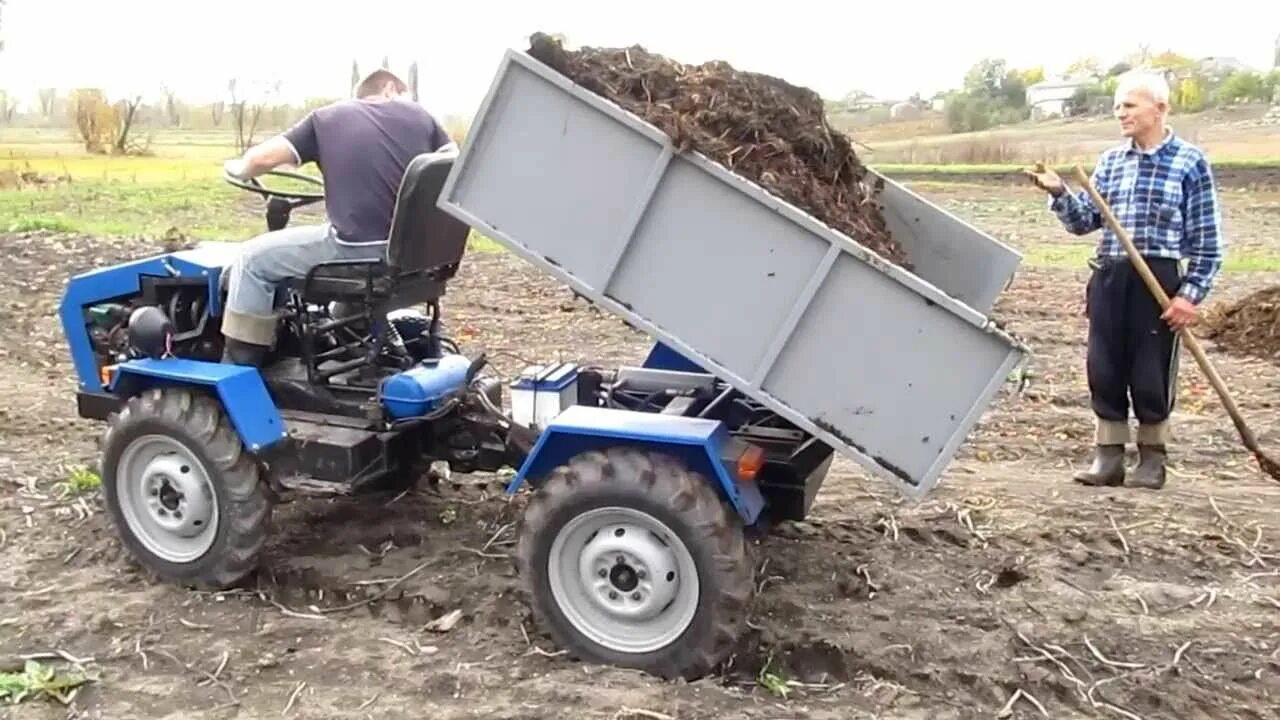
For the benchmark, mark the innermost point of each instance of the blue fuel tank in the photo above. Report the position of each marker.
(418, 390)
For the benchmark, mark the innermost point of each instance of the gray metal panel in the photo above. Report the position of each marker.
(748, 286)
(886, 369)
(961, 260)
(702, 245)
(567, 176)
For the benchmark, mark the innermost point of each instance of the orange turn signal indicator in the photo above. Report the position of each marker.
(750, 462)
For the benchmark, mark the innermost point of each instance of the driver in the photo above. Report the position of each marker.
(362, 147)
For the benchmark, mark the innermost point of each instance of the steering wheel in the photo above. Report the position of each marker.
(296, 197)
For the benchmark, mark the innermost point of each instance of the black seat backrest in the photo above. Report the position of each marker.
(424, 237)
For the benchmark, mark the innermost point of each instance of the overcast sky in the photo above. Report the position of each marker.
(890, 49)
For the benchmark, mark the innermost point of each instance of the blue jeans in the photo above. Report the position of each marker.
(269, 259)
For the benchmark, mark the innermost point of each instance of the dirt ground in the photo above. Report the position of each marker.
(1009, 588)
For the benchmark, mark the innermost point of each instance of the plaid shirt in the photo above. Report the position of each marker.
(1165, 198)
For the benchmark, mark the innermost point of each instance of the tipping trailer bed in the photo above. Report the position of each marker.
(891, 368)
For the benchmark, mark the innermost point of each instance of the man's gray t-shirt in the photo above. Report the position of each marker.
(362, 148)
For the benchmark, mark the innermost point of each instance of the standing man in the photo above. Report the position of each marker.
(362, 147)
(1161, 190)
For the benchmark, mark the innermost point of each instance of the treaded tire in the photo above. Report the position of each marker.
(688, 504)
(198, 422)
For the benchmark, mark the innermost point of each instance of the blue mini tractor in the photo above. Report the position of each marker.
(777, 342)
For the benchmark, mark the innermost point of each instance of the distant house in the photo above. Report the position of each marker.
(1049, 98)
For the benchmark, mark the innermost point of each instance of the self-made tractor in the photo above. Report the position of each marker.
(777, 342)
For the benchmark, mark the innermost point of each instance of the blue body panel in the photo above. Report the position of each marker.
(696, 441)
(662, 357)
(240, 387)
(118, 281)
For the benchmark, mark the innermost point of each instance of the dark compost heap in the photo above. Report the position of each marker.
(760, 127)
(1250, 326)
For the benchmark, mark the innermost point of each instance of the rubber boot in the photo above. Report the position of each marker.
(1150, 473)
(238, 352)
(1107, 467)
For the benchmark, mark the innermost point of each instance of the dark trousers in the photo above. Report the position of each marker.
(1132, 355)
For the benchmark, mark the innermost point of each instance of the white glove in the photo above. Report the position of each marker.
(237, 168)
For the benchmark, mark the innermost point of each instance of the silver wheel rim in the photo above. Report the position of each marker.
(166, 498)
(623, 579)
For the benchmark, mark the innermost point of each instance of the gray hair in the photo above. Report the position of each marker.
(1150, 81)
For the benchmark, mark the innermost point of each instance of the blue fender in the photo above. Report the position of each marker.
(243, 394)
(696, 441)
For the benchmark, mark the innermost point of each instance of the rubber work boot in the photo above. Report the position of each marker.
(238, 352)
(1150, 472)
(1107, 467)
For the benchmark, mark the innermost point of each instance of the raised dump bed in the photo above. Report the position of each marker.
(890, 367)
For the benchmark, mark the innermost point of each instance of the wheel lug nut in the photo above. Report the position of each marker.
(621, 560)
(640, 574)
(635, 596)
(613, 595)
(603, 573)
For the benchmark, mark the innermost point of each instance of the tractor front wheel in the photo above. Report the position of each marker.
(182, 492)
(630, 559)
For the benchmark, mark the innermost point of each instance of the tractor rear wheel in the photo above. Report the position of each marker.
(630, 559)
(182, 492)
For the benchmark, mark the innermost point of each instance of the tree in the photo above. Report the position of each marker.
(1189, 95)
(47, 97)
(1119, 69)
(126, 112)
(985, 78)
(172, 111)
(246, 116)
(1089, 66)
(1169, 60)
(93, 118)
(1271, 85)
(8, 106)
(1031, 76)
(1243, 85)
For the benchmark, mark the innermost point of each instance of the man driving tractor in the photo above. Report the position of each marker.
(362, 147)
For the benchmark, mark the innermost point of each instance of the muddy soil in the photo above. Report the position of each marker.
(1009, 588)
(761, 127)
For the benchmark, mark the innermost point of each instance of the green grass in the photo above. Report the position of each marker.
(203, 209)
(890, 169)
(37, 681)
(1076, 255)
(200, 210)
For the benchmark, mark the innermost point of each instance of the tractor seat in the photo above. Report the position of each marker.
(424, 248)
